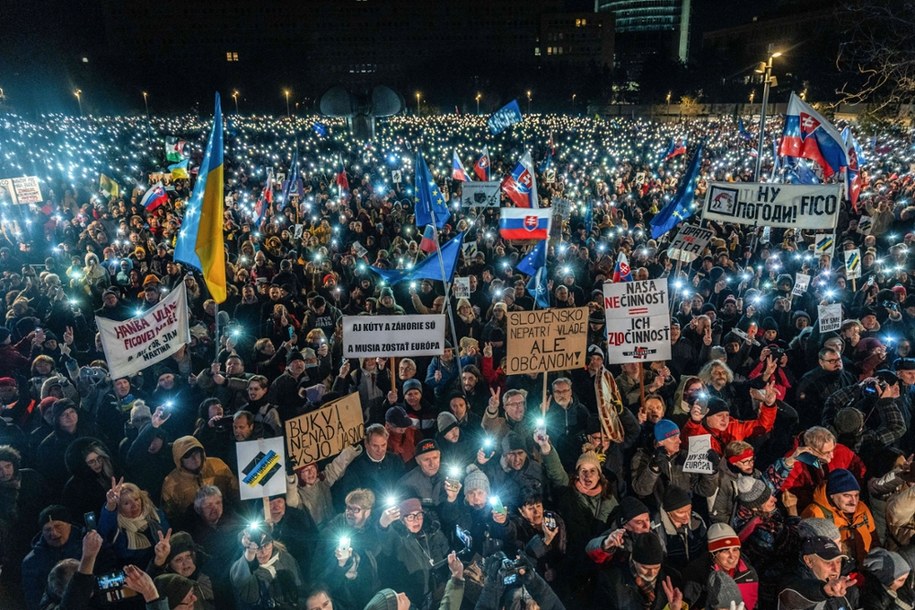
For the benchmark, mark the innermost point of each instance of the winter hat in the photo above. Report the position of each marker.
(595, 350)
(409, 506)
(7, 382)
(181, 542)
(722, 536)
(716, 405)
(849, 420)
(476, 479)
(55, 512)
(841, 480)
(426, 446)
(513, 442)
(446, 422)
(752, 492)
(665, 429)
(386, 292)
(631, 507)
(174, 588)
(675, 497)
(293, 356)
(412, 384)
(386, 599)
(58, 408)
(813, 527)
(886, 565)
(397, 417)
(47, 403)
(588, 456)
(139, 414)
(722, 591)
(647, 550)
(768, 324)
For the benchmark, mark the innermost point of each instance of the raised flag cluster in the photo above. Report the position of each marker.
(521, 184)
(810, 136)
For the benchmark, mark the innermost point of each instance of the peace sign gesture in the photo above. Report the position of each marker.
(114, 494)
(674, 595)
(495, 398)
(163, 547)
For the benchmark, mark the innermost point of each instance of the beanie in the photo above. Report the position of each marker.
(513, 442)
(752, 492)
(722, 591)
(139, 414)
(886, 565)
(293, 356)
(716, 405)
(55, 512)
(174, 588)
(446, 422)
(631, 507)
(647, 550)
(386, 599)
(674, 498)
(181, 542)
(665, 429)
(588, 456)
(476, 480)
(412, 384)
(849, 421)
(410, 506)
(722, 536)
(814, 527)
(841, 480)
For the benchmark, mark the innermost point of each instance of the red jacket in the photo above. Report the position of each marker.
(737, 430)
(803, 478)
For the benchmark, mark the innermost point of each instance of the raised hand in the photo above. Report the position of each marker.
(674, 595)
(455, 566)
(164, 547)
(139, 581)
(495, 394)
(114, 494)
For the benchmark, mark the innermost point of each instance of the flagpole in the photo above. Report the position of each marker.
(449, 309)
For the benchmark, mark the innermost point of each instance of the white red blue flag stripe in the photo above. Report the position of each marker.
(810, 136)
(521, 185)
(154, 197)
(520, 223)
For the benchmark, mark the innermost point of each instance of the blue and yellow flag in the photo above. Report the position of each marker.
(201, 243)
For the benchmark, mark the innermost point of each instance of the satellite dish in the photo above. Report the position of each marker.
(361, 109)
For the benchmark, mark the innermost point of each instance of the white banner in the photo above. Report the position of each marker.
(132, 345)
(22, 190)
(480, 194)
(801, 283)
(689, 243)
(830, 317)
(788, 206)
(262, 468)
(852, 264)
(370, 336)
(638, 321)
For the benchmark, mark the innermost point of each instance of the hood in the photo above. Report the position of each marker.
(685, 380)
(182, 446)
(73, 458)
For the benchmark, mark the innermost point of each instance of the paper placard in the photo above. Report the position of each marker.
(865, 224)
(371, 336)
(480, 194)
(547, 340)
(801, 283)
(824, 243)
(853, 264)
(829, 317)
(697, 459)
(324, 433)
(262, 468)
(638, 321)
(460, 288)
(689, 243)
(22, 190)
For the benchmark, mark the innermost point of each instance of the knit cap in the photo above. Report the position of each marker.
(588, 456)
(446, 422)
(813, 527)
(665, 429)
(840, 481)
(675, 497)
(631, 507)
(722, 536)
(386, 599)
(752, 492)
(647, 550)
(722, 590)
(476, 480)
(886, 565)
(174, 588)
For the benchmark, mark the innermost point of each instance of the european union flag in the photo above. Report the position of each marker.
(534, 260)
(320, 129)
(504, 117)
(680, 207)
(430, 268)
(536, 287)
(743, 131)
(430, 205)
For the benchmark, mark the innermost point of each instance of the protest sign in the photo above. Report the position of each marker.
(853, 264)
(371, 336)
(480, 194)
(638, 321)
(132, 345)
(689, 243)
(801, 283)
(263, 468)
(697, 459)
(865, 224)
(396, 176)
(547, 340)
(324, 433)
(824, 243)
(788, 206)
(830, 317)
(23, 190)
(562, 208)
(460, 289)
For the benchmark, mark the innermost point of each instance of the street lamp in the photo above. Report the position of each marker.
(286, 93)
(574, 95)
(669, 95)
(78, 93)
(752, 95)
(146, 104)
(418, 95)
(764, 68)
(528, 101)
(235, 97)
(477, 98)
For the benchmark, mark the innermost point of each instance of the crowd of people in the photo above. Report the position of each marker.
(471, 487)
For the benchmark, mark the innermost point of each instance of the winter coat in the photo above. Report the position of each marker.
(802, 479)
(180, 486)
(737, 429)
(316, 499)
(650, 484)
(409, 558)
(41, 559)
(255, 586)
(683, 544)
(856, 530)
(85, 491)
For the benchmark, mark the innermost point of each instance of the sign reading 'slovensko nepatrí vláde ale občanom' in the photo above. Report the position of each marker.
(638, 321)
(788, 206)
(393, 336)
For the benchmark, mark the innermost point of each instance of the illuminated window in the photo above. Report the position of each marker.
(231, 55)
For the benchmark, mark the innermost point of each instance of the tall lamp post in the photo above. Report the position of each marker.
(528, 101)
(764, 68)
(286, 93)
(148, 126)
(79, 100)
(477, 98)
(235, 97)
(418, 97)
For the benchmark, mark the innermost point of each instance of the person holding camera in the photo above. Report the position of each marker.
(878, 395)
(266, 575)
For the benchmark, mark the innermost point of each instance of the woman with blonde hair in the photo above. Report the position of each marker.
(131, 524)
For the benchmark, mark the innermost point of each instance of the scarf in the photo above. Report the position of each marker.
(647, 589)
(136, 529)
(591, 493)
(270, 565)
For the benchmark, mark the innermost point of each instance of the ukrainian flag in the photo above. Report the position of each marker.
(201, 242)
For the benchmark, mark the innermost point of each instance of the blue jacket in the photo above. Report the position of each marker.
(117, 539)
(41, 559)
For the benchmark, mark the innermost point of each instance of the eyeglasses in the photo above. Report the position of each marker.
(93, 462)
(355, 509)
(515, 403)
(413, 517)
(832, 360)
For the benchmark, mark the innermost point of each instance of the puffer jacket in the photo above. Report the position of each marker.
(857, 530)
(180, 486)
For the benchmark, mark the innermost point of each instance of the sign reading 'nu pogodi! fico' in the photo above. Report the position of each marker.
(638, 322)
(789, 206)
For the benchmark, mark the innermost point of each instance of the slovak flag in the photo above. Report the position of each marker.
(520, 223)
(622, 272)
(675, 149)
(483, 165)
(853, 171)
(154, 197)
(457, 169)
(521, 184)
(810, 136)
(429, 240)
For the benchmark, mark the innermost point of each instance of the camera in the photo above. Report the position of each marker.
(777, 352)
(464, 536)
(874, 387)
(511, 571)
(223, 423)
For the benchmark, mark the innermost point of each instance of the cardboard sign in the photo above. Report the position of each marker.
(132, 345)
(359, 250)
(787, 206)
(371, 336)
(697, 459)
(480, 194)
(324, 433)
(460, 289)
(801, 283)
(23, 190)
(824, 243)
(547, 340)
(262, 465)
(852, 264)
(689, 243)
(830, 317)
(638, 321)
